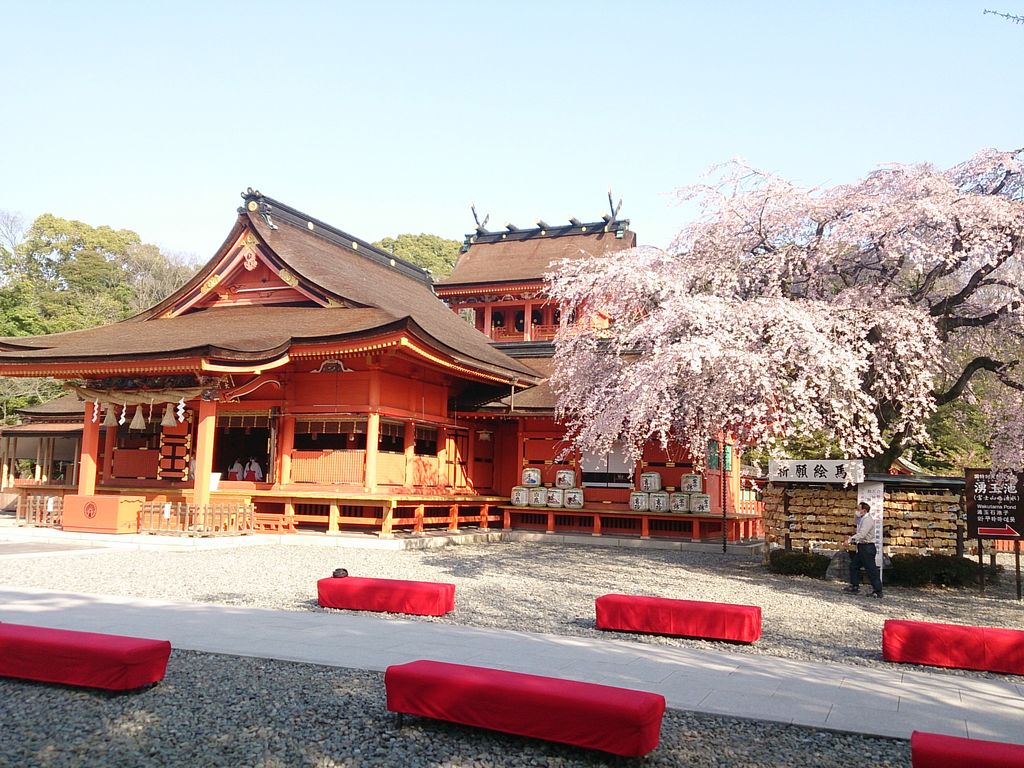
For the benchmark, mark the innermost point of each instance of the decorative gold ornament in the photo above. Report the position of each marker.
(210, 284)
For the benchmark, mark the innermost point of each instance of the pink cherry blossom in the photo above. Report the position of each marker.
(851, 311)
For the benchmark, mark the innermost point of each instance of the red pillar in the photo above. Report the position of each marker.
(409, 447)
(287, 443)
(109, 443)
(90, 452)
(206, 427)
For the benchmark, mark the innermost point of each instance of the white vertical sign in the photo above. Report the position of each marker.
(874, 495)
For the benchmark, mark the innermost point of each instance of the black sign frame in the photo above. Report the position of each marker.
(995, 508)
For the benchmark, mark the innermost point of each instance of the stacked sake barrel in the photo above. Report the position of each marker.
(651, 498)
(563, 494)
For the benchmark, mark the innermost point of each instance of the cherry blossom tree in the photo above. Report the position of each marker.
(849, 312)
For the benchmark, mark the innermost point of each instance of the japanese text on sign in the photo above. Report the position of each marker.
(844, 472)
(994, 504)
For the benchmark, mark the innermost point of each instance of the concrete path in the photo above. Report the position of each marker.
(889, 701)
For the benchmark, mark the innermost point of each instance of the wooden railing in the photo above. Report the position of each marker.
(40, 511)
(543, 332)
(506, 334)
(181, 519)
(750, 506)
(328, 467)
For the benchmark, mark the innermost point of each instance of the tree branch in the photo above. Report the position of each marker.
(981, 320)
(983, 363)
(947, 304)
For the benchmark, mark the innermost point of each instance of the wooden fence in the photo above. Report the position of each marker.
(181, 519)
(40, 511)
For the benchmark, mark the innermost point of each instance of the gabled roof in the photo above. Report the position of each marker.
(234, 333)
(347, 288)
(527, 254)
(69, 406)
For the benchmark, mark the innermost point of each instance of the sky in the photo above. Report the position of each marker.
(391, 117)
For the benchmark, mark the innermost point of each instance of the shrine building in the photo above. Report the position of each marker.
(304, 379)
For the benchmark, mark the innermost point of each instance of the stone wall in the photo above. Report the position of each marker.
(916, 522)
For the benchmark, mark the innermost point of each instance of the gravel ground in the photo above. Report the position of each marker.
(224, 711)
(215, 710)
(534, 587)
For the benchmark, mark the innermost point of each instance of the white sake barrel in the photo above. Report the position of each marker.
(650, 481)
(700, 502)
(679, 502)
(659, 501)
(520, 496)
(565, 478)
(538, 497)
(531, 476)
(572, 498)
(555, 497)
(691, 484)
(639, 501)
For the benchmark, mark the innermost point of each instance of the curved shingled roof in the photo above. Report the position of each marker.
(527, 254)
(380, 294)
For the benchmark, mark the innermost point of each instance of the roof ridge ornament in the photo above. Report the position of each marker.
(481, 226)
(255, 203)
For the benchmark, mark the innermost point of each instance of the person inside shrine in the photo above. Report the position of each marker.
(236, 471)
(253, 471)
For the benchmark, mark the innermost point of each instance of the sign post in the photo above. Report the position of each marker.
(995, 510)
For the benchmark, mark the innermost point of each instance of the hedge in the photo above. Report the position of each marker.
(939, 570)
(794, 563)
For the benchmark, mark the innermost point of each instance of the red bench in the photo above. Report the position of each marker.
(422, 598)
(932, 750)
(616, 720)
(88, 659)
(685, 618)
(954, 645)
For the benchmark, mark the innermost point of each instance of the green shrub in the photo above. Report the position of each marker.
(794, 563)
(940, 570)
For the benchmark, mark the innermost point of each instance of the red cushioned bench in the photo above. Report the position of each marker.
(685, 618)
(954, 645)
(421, 598)
(88, 659)
(932, 750)
(616, 720)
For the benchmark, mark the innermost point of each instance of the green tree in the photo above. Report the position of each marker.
(429, 251)
(63, 275)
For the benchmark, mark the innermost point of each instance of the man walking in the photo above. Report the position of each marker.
(864, 557)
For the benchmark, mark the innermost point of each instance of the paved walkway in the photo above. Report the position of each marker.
(882, 701)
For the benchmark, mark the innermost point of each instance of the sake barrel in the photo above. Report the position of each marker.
(679, 502)
(650, 481)
(555, 498)
(520, 496)
(572, 498)
(691, 484)
(700, 502)
(639, 501)
(565, 478)
(531, 477)
(659, 501)
(538, 497)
